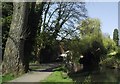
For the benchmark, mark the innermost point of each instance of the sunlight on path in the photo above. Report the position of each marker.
(32, 77)
(37, 75)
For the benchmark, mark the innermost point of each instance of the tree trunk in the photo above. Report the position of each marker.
(33, 26)
(14, 51)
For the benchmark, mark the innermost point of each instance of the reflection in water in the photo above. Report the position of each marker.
(101, 75)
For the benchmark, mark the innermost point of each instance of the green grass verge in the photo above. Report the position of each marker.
(60, 68)
(35, 67)
(58, 77)
(0, 79)
(8, 77)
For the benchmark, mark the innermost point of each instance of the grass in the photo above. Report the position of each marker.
(35, 67)
(60, 68)
(7, 77)
(0, 79)
(58, 77)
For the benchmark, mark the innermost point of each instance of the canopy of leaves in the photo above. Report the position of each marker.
(109, 44)
(90, 39)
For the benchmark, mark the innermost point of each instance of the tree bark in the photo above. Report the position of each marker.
(32, 26)
(14, 51)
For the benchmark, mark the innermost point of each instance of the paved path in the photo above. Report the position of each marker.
(37, 75)
(32, 77)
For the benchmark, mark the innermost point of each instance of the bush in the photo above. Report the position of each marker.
(109, 45)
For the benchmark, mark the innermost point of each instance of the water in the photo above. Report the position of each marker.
(101, 75)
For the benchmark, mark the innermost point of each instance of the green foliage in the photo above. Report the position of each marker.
(119, 49)
(61, 68)
(90, 39)
(58, 76)
(73, 45)
(0, 79)
(112, 62)
(116, 36)
(90, 32)
(109, 45)
(43, 39)
(8, 77)
(90, 26)
(7, 9)
(87, 80)
(112, 58)
(118, 53)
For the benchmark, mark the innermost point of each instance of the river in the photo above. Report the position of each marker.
(100, 75)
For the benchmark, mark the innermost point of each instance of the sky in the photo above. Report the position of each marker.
(106, 12)
(119, 20)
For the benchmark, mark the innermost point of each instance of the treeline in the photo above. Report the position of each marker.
(95, 47)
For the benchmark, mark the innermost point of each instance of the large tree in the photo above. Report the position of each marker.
(21, 37)
(116, 36)
(30, 32)
(58, 21)
(62, 15)
(13, 56)
(91, 42)
(7, 10)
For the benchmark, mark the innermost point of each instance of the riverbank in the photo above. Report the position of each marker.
(58, 76)
(111, 62)
(103, 75)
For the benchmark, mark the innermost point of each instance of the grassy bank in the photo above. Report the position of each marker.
(56, 77)
(8, 77)
(0, 79)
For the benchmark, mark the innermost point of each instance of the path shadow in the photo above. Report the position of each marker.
(50, 67)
